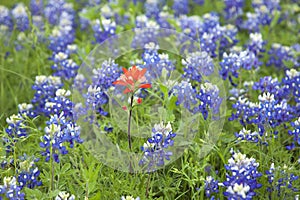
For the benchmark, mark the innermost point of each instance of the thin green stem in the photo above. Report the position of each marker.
(129, 123)
(148, 186)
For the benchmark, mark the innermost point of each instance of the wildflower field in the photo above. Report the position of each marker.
(149, 99)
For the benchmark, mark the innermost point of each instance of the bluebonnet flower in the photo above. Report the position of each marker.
(211, 186)
(154, 62)
(129, 198)
(186, 95)
(11, 190)
(266, 10)
(180, 7)
(54, 9)
(37, 21)
(190, 26)
(64, 67)
(104, 31)
(80, 83)
(60, 38)
(36, 7)
(64, 196)
(292, 83)
(15, 130)
(104, 76)
(28, 174)
(58, 132)
(156, 148)
(20, 16)
(256, 43)
(152, 8)
(5, 18)
(273, 86)
(146, 31)
(281, 181)
(95, 99)
(228, 37)
(26, 110)
(197, 64)
(45, 88)
(252, 23)
(233, 9)
(232, 63)
(269, 111)
(210, 21)
(280, 54)
(199, 2)
(163, 18)
(210, 99)
(241, 178)
(295, 133)
(59, 103)
(248, 135)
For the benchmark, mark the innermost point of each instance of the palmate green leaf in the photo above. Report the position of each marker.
(65, 168)
(34, 194)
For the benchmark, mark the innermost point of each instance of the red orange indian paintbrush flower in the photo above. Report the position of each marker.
(133, 79)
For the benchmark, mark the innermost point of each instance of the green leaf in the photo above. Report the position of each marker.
(65, 168)
(172, 103)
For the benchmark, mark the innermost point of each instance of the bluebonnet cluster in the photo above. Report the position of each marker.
(59, 132)
(232, 63)
(129, 198)
(64, 196)
(155, 150)
(256, 43)
(196, 65)
(63, 66)
(59, 103)
(295, 133)
(152, 8)
(211, 187)
(201, 101)
(146, 31)
(45, 88)
(181, 7)
(104, 76)
(281, 181)
(103, 30)
(268, 84)
(242, 177)
(185, 95)
(233, 9)
(28, 173)
(163, 19)
(16, 130)
(279, 55)
(210, 99)
(267, 112)
(95, 99)
(20, 17)
(6, 22)
(155, 62)
(264, 13)
(10, 189)
(248, 135)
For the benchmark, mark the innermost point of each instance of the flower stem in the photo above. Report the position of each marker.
(129, 123)
(148, 184)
